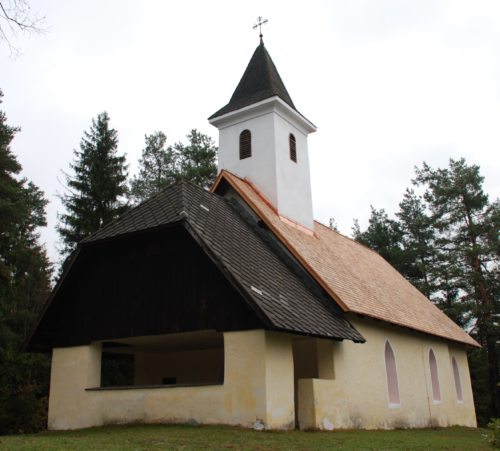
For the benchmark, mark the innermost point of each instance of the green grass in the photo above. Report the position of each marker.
(143, 437)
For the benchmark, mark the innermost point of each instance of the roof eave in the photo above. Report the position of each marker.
(224, 174)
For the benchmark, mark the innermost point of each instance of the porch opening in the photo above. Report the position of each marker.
(191, 358)
(312, 359)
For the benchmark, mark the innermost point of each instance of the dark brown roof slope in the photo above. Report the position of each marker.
(275, 286)
(260, 81)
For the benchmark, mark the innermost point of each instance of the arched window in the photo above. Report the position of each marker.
(456, 375)
(392, 375)
(245, 144)
(436, 392)
(293, 148)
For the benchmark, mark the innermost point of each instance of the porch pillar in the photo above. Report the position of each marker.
(258, 377)
(73, 370)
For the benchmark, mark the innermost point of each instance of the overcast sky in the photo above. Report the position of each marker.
(389, 84)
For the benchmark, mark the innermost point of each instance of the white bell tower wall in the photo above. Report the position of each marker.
(285, 183)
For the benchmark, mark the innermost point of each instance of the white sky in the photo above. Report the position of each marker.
(388, 83)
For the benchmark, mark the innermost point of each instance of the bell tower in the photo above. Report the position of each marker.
(263, 138)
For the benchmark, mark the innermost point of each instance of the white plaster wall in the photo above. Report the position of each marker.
(260, 168)
(284, 183)
(357, 396)
(293, 179)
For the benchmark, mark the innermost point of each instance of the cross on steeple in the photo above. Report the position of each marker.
(260, 21)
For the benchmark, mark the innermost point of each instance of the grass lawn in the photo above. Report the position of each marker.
(141, 437)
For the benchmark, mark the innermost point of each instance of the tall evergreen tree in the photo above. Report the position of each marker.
(417, 240)
(157, 168)
(160, 165)
(447, 244)
(197, 159)
(468, 231)
(383, 235)
(24, 286)
(97, 187)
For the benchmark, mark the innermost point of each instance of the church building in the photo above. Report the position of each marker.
(236, 307)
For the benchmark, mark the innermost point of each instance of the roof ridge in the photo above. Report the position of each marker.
(135, 208)
(127, 212)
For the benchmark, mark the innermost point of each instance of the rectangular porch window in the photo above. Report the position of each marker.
(192, 358)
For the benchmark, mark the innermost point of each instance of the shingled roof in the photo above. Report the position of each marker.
(260, 81)
(357, 278)
(239, 247)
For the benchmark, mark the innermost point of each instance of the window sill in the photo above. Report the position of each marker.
(148, 387)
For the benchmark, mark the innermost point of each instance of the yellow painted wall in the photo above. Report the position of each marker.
(258, 387)
(280, 407)
(357, 396)
(72, 371)
(349, 392)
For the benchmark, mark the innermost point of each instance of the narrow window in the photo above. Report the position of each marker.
(245, 144)
(293, 148)
(456, 374)
(392, 375)
(436, 392)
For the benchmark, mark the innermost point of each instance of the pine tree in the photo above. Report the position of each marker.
(468, 233)
(157, 168)
(160, 165)
(383, 235)
(25, 274)
(418, 237)
(197, 160)
(97, 187)
(446, 243)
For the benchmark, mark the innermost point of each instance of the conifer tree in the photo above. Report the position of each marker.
(383, 235)
(446, 243)
(24, 286)
(468, 232)
(197, 159)
(97, 187)
(160, 165)
(157, 168)
(417, 241)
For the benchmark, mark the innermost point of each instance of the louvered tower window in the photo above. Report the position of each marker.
(245, 144)
(293, 148)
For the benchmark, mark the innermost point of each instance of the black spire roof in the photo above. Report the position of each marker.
(260, 81)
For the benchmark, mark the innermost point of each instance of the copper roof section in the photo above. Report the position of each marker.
(357, 278)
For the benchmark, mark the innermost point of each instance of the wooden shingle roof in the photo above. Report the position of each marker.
(268, 279)
(357, 278)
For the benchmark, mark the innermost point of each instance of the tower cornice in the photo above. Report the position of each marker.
(273, 104)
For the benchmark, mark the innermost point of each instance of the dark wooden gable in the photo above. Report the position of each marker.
(151, 283)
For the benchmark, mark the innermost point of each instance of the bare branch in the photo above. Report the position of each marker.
(15, 16)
